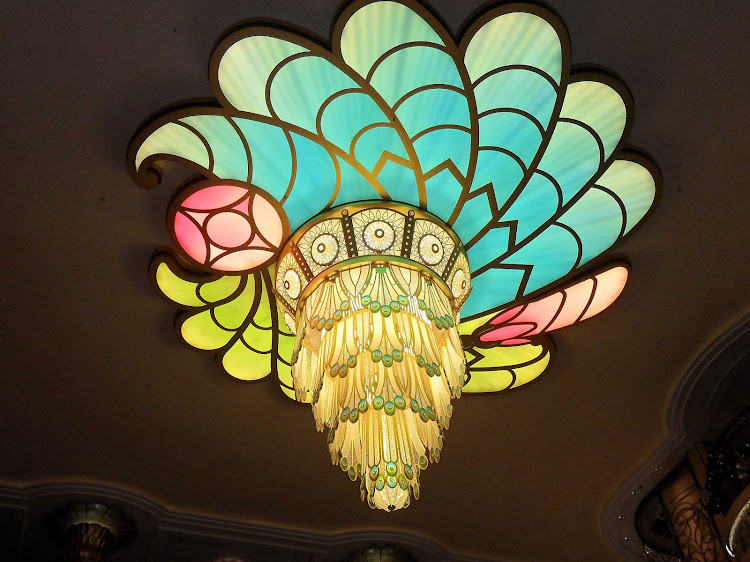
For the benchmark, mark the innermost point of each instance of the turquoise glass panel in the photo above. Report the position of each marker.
(493, 288)
(443, 191)
(475, 214)
(246, 66)
(347, 115)
(511, 131)
(313, 184)
(500, 170)
(552, 254)
(572, 158)
(597, 219)
(536, 204)
(489, 247)
(375, 28)
(230, 158)
(354, 187)
(410, 68)
(433, 107)
(271, 157)
(635, 187)
(437, 146)
(400, 183)
(600, 107)
(175, 140)
(373, 142)
(520, 89)
(302, 86)
(514, 38)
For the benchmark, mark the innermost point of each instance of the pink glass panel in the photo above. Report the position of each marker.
(609, 286)
(577, 297)
(242, 259)
(258, 242)
(200, 218)
(541, 312)
(190, 237)
(243, 207)
(229, 229)
(514, 341)
(507, 315)
(267, 221)
(506, 332)
(214, 197)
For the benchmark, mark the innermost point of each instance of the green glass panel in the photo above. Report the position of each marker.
(597, 219)
(400, 183)
(286, 346)
(246, 66)
(313, 183)
(514, 38)
(232, 314)
(176, 288)
(600, 107)
(518, 89)
(373, 142)
(270, 154)
(572, 158)
(375, 28)
(443, 191)
(553, 253)
(510, 131)
(245, 364)
(492, 288)
(536, 204)
(436, 147)
(230, 158)
(489, 381)
(263, 312)
(491, 373)
(634, 185)
(347, 115)
(428, 108)
(176, 140)
(410, 68)
(301, 87)
(489, 247)
(201, 332)
(257, 338)
(220, 289)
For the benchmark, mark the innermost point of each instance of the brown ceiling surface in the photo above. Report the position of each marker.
(95, 385)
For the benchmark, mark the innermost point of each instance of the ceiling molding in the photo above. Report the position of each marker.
(688, 421)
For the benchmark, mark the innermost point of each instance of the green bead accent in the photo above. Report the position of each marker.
(374, 471)
(400, 402)
(352, 473)
(450, 321)
(424, 415)
(428, 368)
(403, 482)
(391, 468)
(337, 314)
(354, 415)
(395, 306)
(414, 406)
(366, 300)
(402, 300)
(439, 323)
(329, 323)
(362, 406)
(391, 481)
(314, 320)
(385, 310)
(374, 306)
(330, 436)
(344, 414)
(390, 408)
(335, 369)
(344, 305)
(420, 361)
(376, 355)
(344, 463)
(321, 323)
(435, 369)
(380, 483)
(352, 361)
(378, 402)
(342, 371)
(387, 359)
(408, 471)
(398, 355)
(423, 462)
(431, 413)
(421, 304)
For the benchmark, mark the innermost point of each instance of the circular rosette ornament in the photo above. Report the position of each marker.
(227, 226)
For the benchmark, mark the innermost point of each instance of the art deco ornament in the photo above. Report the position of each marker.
(397, 218)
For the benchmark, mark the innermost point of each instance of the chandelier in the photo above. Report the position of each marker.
(394, 218)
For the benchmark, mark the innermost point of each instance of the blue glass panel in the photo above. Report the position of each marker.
(440, 145)
(499, 169)
(354, 187)
(270, 155)
(230, 158)
(519, 89)
(512, 131)
(475, 214)
(371, 145)
(537, 203)
(572, 158)
(493, 288)
(176, 140)
(597, 219)
(433, 107)
(443, 190)
(490, 246)
(348, 114)
(634, 185)
(400, 183)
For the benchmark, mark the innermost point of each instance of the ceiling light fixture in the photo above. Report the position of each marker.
(397, 218)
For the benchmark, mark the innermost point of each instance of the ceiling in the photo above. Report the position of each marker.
(96, 387)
